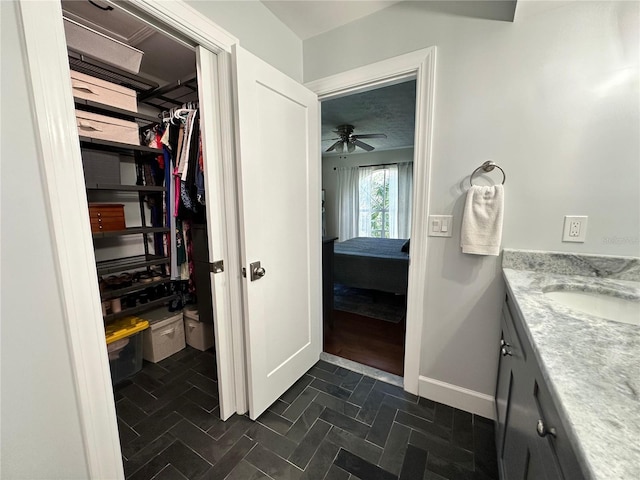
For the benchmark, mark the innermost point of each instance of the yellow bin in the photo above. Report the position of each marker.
(124, 345)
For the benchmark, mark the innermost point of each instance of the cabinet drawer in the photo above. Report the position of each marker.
(100, 91)
(103, 127)
(106, 217)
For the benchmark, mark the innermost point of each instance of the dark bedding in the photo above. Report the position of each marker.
(373, 263)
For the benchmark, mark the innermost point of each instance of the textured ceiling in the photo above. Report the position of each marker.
(389, 110)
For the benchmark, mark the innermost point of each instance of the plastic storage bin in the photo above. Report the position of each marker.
(199, 335)
(165, 335)
(124, 346)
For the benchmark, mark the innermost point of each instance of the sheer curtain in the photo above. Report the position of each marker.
(365, 182)
(405, 196)
(348, 203)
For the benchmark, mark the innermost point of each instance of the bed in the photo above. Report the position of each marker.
(372, 263)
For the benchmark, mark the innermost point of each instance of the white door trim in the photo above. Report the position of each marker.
(61, 166)
(421, 65)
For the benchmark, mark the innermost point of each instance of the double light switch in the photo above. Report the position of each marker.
(440, 225)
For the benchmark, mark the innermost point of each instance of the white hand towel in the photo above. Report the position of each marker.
(482, 222)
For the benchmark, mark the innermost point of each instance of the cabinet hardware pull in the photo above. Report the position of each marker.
(543, 431)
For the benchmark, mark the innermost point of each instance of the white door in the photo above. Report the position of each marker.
(279, 194)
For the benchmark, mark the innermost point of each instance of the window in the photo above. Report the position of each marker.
(378, 187)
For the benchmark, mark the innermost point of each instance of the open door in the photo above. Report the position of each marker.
(279, 195)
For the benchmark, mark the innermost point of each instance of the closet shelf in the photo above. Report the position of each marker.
(130, 231)
(117, 147)
(109, 294)
(126, 188)
(129, 263)
(96, 107)
(140, 308)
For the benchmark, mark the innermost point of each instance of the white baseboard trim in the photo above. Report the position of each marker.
(458, 397)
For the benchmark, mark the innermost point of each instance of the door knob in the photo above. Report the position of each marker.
(543, 431)
(257, 271)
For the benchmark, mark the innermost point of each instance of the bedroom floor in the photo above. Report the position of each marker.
(372, 342)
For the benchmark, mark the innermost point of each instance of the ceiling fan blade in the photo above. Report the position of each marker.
(362, 145)
(370, 135)
(332, 147)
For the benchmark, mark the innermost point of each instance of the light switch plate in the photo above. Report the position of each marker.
(440, 225)
(575, 228)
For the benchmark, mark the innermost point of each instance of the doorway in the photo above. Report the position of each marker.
(367, 164)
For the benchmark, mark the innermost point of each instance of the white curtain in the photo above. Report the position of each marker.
(366, 187)
(405, 196)
(393, 214)
(347, 203)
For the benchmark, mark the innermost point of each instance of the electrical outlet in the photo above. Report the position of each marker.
(575, 228)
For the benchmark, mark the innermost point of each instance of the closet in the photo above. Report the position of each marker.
(136, 99)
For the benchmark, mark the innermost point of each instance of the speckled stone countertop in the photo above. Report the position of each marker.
(591, 365)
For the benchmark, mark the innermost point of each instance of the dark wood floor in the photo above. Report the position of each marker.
(365, 340)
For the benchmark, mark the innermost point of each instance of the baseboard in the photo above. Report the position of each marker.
(458, 397)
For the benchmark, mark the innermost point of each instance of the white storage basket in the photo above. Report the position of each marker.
(199, 335)
(103, 127)
(90, 88)
(165, 335)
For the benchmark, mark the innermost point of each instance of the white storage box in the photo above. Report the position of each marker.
(91, 88)
(94, 44)
(103, 127)
(199, 335)
(165, 335)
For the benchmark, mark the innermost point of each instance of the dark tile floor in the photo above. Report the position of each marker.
(332, 424)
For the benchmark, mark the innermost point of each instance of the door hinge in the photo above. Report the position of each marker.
(217, 266)
(244, 272)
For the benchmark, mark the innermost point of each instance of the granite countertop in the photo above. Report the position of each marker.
(591, 365)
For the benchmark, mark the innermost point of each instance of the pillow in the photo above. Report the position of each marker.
(405, 246)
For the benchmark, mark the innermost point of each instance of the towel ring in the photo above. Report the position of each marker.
(487, 167)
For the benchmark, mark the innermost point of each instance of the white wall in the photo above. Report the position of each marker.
(258, 30)
(554, 99)
(41, 436)
(330, 179)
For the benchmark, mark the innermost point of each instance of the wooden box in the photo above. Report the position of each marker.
(103, 127)
(91, 88)
(106, 217)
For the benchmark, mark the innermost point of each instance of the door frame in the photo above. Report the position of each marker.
(60, 162)
(421, 66)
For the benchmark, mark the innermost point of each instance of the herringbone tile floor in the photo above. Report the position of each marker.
(332, 424)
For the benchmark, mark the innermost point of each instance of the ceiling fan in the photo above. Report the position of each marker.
(346, 136)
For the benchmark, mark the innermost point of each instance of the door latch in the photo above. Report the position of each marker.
(217, 266)
(256, 271)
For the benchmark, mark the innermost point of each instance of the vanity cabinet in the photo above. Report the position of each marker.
(531, 441)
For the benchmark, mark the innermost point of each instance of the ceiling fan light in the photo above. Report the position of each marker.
(340, 147)
(351, 147)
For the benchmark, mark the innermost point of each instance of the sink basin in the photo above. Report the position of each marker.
(600, 305)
